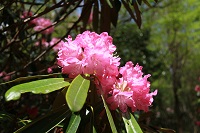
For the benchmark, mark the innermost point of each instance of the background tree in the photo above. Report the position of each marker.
(175, 37)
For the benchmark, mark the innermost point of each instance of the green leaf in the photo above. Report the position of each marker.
(166, 130)
(109, 3)
(131, 124)
(47, 122)
(43, 86)
(77, 93)
(128, 8)
(73, 123)
(110, 119)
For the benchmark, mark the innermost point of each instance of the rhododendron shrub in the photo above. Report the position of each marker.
(28, 14)
(91, 53)
(55, 41)
(43, 24)
(45, 27)
(91, 77)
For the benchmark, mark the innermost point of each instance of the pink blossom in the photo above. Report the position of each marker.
(26, 14)
(4, 76)
(32, 112)
(43, 43)
(131, 90)
(29, 14)
(51, 43)
(57, 46)
(42, 23)
(89, 53)
(49, 70)
(197, 88)
(197, 123)
(90, 18)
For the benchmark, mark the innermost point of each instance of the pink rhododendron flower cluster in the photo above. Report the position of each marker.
(43, 23)
(197, 123)
(39, 23)
(51, 43)
(54, 41)
(131, 89)
(92, 53)
(89, 53)
(4, 76)
(197, 88)
(28, 14)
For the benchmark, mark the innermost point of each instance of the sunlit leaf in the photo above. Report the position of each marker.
(43, 86)
(110, 119)
(77, 93)
(73, 123)
(131, 124)
(109, 3)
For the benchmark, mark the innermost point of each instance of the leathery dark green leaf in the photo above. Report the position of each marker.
(73, 123)
(131, 124)
(77, 93)
(43, 86)
(110, 119)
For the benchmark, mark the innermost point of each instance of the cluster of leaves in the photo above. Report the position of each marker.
(75, 95)
(76, 109)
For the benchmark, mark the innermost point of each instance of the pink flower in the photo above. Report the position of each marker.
(43, 43)
(28, 14)
(90, 18)
(89, 53)
(197, 88)
(42, 23)
(197, 123)
(4, 76)
(49, 70)
(32, 112)
(131, 90)
(57, 46)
